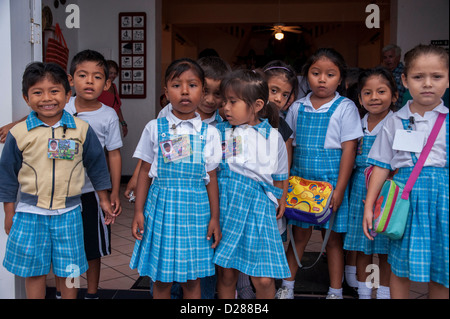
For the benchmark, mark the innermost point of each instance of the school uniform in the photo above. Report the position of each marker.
(317, 138)
(208, 284)
(47, 228)
(177, 212)
(251, 242)
(355, 240)
(422, 253)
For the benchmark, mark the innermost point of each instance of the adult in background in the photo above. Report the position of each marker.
(391, 55)
(111, 96)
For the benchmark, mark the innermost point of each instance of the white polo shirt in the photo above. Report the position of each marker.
(263, 157)
(344, 125)
(383, 153)
(377, 128)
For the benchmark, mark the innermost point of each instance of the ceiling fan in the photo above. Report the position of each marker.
(278, 28)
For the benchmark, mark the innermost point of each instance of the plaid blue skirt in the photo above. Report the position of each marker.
(355, 240)
(37, 243)
(422, 253)
(312, 161)
(174, 245)
(251, 242)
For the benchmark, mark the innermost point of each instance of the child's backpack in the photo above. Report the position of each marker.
(309, 201)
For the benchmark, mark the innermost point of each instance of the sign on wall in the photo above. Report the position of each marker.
(132, 55)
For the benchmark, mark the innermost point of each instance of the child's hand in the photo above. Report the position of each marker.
(110, 217)
(214, 229)
(124, 130)
(4, 131)
(9, 209)
(8, 224)
(367, 222)
(129, 190)
(281, 208)
(131, 186)
(137, 226)
(105, 204)
(115, 204)
(336, 200)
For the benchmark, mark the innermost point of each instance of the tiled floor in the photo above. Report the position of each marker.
(116, 274)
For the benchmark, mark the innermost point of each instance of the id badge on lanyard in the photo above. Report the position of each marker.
(232, 147)
(62, 149)
(176, 148)
(409, 141)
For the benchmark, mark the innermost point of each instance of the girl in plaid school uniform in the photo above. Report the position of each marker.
(422, 253)
(326, 129)
(252, 198)
(177, 216)
(377, 94)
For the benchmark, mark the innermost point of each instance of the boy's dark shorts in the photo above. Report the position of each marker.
(97, 235)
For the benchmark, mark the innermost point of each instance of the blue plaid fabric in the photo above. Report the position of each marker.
(263, 128)
(218, 118)
(251, 242)
(33, 121)
(422, 253)
(312, 161)
(174, 247)
(37, 243)
(355, 240)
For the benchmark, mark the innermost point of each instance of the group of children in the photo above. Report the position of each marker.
(209, 210)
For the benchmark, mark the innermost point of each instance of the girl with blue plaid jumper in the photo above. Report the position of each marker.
(326, 129)
(177, 215)
(252, 177)
(422, 253)
(377, 94)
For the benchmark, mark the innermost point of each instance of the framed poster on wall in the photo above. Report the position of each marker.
(132, 55)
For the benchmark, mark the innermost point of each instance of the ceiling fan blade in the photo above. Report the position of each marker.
(293, 28)
(294, 31)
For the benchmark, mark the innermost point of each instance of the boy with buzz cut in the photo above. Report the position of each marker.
(45, 229)
(89, 76)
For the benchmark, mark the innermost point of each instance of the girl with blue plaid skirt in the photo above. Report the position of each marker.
(283, 90)
(251, 176)
(377, 94)
(422, 253)
(177, 215)
(326, 129)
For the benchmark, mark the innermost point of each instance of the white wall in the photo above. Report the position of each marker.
(16, 53)
(6, 279)
(99, 31)
(418, 22)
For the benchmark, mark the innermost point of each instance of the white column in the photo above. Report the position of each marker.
(18, 50)
(7, 280)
